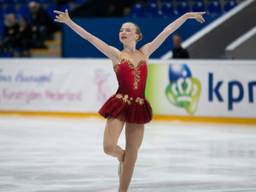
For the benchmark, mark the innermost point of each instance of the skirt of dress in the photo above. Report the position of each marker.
(132, 112)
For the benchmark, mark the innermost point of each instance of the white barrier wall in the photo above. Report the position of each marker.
(215, 88)
(55, 84)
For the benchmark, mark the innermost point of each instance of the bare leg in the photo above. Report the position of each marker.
(112, 132)
(134, 137)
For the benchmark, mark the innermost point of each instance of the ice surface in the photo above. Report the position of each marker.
(66, 155)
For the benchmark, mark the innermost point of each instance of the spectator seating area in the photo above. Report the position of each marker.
(18, 15)
(20, 7)
(156, 8)
(21, 28)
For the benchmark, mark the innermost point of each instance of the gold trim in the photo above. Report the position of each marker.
(135, 68)
(202, 119)
(128, 99)
(215, 120)
(142, 61)
(139, 100)
(136, 74)
(125, 98)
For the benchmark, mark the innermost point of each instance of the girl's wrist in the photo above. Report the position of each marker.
(69, 21)
(187, 15)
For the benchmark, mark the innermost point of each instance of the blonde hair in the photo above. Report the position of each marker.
(138, 31)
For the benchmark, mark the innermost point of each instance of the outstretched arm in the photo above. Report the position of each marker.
(149, 48)
(109, 51)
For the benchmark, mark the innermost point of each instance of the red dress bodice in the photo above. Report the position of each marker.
(129, 103)
(131, 78)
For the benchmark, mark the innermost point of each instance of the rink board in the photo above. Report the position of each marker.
(203, 90)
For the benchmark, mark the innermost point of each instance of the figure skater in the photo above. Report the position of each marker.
(128, 106)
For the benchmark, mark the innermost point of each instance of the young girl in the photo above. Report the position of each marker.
(128, 105)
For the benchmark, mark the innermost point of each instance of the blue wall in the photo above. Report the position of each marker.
(107, 29)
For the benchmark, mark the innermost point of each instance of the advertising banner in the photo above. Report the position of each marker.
(191, 88)
(55, 84)
(217, 88)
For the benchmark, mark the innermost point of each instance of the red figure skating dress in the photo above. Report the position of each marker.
(129, 103)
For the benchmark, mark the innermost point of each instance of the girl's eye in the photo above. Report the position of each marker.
(126, 30)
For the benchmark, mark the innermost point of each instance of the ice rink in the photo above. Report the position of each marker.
(66, 155)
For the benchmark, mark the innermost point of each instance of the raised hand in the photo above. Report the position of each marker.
(62, 17)
(196, 15)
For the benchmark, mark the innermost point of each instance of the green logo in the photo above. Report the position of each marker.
(183, 90)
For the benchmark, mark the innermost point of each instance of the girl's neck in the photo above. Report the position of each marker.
(130, 48)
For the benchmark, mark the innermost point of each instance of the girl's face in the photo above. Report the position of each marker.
(128, 33)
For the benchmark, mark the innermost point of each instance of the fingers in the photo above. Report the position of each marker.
(59, 12)
(57, 20)
(202, 13)
(58, 17)
(198, 16)
(201, 19)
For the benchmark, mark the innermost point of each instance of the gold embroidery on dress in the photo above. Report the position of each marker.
(136, 72)
(125, 98)
(131, 64)
(139, 100)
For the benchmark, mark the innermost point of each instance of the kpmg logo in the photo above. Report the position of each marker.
(183, 90)
(237, 91)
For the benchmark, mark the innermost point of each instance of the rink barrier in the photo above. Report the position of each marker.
(193, 119)
(187, 90)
